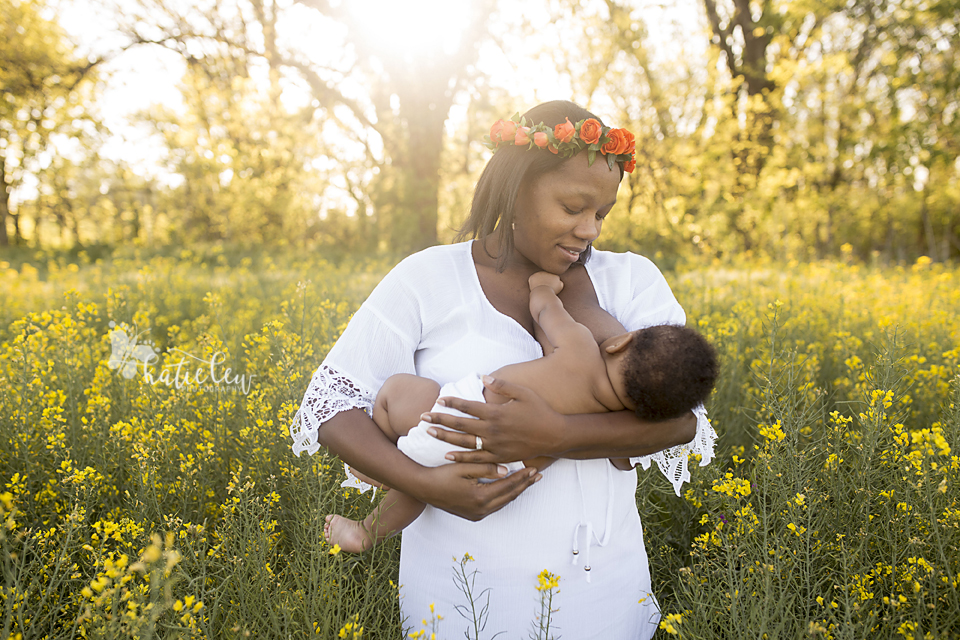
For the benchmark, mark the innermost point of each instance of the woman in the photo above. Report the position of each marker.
(452, 310)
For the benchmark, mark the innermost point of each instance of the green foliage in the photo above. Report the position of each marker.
(45, 90)
(805, 130)
(792, 129)
(245, 162)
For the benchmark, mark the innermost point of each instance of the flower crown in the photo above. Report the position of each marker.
(566, 139)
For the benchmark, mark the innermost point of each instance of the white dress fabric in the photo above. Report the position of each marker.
(421, 447)
(430, 317)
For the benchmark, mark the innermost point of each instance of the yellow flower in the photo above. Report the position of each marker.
(670, 623)
(334, 550)
(547, 581)
(772, 433)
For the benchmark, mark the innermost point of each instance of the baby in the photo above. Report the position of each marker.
(659, 373)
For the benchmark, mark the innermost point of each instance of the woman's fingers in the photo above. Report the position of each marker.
(465, 440)
(504, 491)
(481, 456)
(474, 408)
(459, 491)
(489, 471)
(509, 389)
(524, 427)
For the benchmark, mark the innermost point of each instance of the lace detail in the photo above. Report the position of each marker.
(353, 482)
(673, 461)
(329, 393)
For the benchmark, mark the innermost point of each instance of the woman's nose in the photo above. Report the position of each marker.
(588, 228)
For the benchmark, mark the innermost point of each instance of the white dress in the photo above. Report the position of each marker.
(430, 317)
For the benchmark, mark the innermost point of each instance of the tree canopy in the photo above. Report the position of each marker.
(798, 129)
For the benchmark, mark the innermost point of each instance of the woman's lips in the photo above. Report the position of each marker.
(570, 254)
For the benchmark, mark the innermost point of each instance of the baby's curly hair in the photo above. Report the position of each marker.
(668, 370)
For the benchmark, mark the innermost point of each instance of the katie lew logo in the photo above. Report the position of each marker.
(129, 355)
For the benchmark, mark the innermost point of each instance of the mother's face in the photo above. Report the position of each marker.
(558, 215)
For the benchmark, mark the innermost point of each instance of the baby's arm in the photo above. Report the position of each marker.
(548, 312)
(560, 327)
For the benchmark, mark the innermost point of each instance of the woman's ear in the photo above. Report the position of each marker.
(619, 343)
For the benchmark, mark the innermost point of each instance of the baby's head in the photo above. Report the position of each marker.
(661, 372)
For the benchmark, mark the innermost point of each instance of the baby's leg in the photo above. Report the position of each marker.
(398, 406)
(397, 409)
(401, 400)
(391, 516)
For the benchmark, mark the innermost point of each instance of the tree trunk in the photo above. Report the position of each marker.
(928, 226)
(751, 67)
(415, 227)
(4, 204)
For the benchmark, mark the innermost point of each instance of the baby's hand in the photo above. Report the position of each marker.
(542, 278)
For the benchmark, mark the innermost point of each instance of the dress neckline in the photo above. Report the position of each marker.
(486, 301)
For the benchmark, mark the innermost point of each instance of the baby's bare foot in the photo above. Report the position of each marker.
(349, 534)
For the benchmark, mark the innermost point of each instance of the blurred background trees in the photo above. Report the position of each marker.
(46, 93)
(795, 129)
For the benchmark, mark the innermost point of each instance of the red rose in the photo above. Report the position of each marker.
(540, 139)
(503, 130)
(618, 142)
(590, 131)
(522, 137)
(565, 132)
(630, 166)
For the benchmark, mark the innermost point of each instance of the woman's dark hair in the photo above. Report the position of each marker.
(495, 197)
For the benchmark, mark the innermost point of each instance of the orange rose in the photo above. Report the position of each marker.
(630, 166)
(631, 144)
(590, 131)
(618, 142)
(522, 137)
(565, 132)
(503, 130)
(540, 139)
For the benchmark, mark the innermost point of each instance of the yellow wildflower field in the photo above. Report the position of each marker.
(148, 489)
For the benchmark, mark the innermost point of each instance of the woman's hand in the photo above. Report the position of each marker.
(456, 488)
(523, 428)
(526, 427)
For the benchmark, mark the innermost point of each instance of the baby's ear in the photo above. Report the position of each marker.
(619, 343)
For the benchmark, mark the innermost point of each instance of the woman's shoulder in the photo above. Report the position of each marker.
(626, 268)
(634, 290)
(428, 266)
(441, 255)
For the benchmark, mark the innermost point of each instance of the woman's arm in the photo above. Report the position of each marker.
(527, 427)
(455, 488)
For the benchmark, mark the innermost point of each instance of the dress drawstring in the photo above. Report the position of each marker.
(588, 525)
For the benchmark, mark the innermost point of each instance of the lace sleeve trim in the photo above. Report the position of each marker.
(329, 393)
(673, 461)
